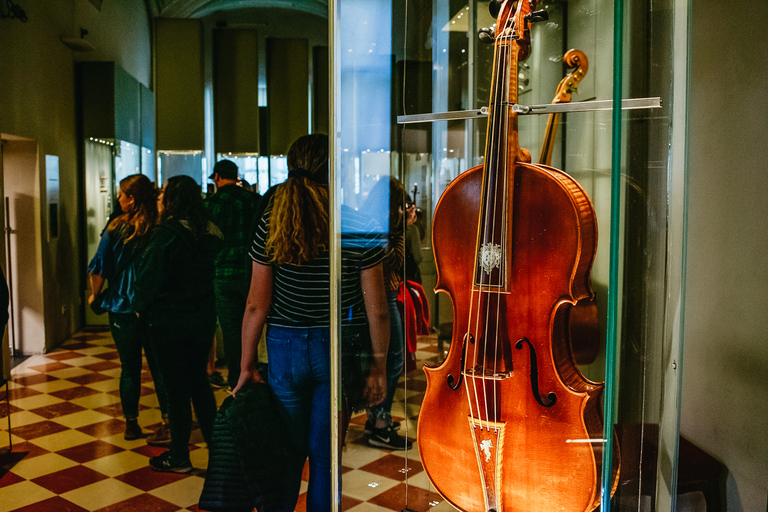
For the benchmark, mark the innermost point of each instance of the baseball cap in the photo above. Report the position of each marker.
(226, 169)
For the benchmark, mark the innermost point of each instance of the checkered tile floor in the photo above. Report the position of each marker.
(69, 452)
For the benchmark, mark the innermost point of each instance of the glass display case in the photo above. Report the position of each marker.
(106, 163)
(540, 149)
(278, 170)
(128, 160)
(252, 168)
(175, 163)
(148, 164)
(99, 201)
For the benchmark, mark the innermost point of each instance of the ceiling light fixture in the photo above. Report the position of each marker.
(78, 44)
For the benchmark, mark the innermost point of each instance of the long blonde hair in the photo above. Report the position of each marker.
(143, 217)
(298, 227)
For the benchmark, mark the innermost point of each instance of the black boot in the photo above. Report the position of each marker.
(162, 436)
(133, 430)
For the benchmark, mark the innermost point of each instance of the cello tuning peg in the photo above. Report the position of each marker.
(486, 35)
(537, 16)
(494, 7)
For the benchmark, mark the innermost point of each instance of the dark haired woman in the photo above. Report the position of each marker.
(386, 204)
(124, 239)
(174, 293)
(290, 293)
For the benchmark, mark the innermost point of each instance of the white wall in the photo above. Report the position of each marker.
(37, 101)
(725, 374)
(22, 188)
(120, 32)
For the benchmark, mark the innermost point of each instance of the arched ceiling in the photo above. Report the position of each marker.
(201, 8)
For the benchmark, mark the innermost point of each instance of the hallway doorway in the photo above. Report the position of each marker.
(20, 250)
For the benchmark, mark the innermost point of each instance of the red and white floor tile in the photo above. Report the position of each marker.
(69, 453)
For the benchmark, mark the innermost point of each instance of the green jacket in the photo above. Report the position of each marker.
(233, 210)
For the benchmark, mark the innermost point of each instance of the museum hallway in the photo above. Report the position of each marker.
(69, 453)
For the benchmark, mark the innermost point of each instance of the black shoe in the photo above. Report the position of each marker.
(133, 430)
(161, 437)
(166, 464)
(388, 439)
(369, 427)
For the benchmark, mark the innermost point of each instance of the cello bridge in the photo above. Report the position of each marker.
(486, 373)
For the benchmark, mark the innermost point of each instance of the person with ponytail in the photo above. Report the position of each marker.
(121, 243)
(174, 294)
(290, 293)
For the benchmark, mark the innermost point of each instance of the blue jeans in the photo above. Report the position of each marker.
(299, 374)
(395, 361)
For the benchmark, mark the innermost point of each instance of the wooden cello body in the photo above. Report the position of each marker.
(508, 423)
(584, 324)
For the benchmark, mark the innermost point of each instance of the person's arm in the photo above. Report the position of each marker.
(377, 311)
(414, 241)
(256, 309)
(98, 267)
(97, 283)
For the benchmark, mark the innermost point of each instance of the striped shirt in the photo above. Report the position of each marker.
(301, 293)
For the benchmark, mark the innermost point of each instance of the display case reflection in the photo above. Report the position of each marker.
(128, 160)
(253, 169)
(176, 163)
(148, 160)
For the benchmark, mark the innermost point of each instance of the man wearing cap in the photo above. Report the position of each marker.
(232, 209)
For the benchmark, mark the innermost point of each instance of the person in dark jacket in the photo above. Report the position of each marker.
(174, 293)
(232, 208)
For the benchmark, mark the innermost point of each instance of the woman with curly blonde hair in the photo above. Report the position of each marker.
(290, 293)
(121, 243)
(298, 227)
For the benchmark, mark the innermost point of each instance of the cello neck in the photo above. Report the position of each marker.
(511, 46)
(572, 58)
(502, 147)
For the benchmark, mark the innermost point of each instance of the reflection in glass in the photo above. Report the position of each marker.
(127, 160)
(148, 164)
(176, 163)
(278, 169)
(247, 166)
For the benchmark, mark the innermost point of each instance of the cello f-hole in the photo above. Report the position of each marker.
(450, 378)
(535, 375)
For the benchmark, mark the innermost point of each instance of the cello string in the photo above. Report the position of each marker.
(504, 226)
(489, 191)
(492, 149)
(502, 212)
(501, 216)
(498, 218)
(492, 215)
(473, 323)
